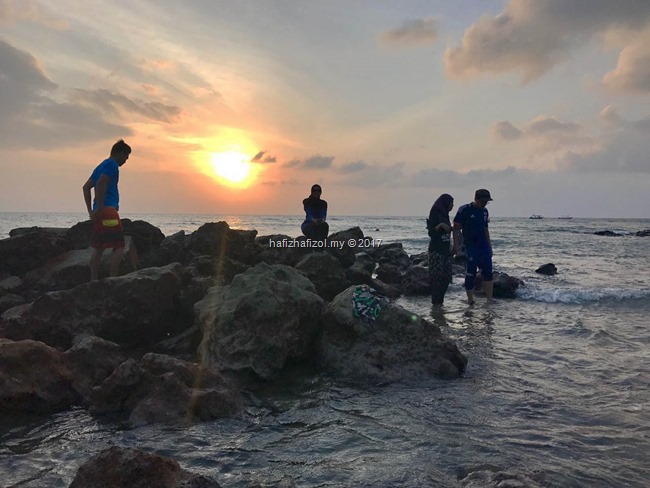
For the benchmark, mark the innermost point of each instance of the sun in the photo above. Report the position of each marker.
(232, 168)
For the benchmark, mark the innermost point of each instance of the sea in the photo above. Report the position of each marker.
(556, 392)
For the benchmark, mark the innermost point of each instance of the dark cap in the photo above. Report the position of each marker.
(482, 194)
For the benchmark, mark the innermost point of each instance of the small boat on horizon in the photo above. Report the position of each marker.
(565, 217)
(536, 217)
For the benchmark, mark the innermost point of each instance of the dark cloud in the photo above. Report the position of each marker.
(505, 130)
(375, 176)
(433, 177)
(314, 162)
(30, 117)
(353, 167)
(263, 157)
(547, 134)
(532, 36)
(412, 32)
(114, 103)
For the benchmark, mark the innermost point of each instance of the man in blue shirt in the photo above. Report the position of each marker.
(107, 230)
(472, 219)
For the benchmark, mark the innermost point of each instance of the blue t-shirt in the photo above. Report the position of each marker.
(474, 221)
(110, 168)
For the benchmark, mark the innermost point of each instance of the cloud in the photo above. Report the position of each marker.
(433, 177)
(546, 133)
(412, 33)
(114, 103)
(314, 162)
(374, 176)
(532, 36)
(506, 131)
(263, 157)
(30, 117)
(632, 73)
(14, 11)
(353, 167)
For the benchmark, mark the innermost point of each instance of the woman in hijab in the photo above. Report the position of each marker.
(440, 258)
(314, 226)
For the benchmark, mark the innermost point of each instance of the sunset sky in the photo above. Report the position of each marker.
(240, 106)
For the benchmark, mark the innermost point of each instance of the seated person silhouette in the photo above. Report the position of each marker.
(314, 226)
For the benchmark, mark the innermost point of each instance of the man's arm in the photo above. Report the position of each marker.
(87, 196)
(100, 193)
(487, 235)
(457, 228)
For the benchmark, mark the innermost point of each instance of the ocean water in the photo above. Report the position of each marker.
(556, 393)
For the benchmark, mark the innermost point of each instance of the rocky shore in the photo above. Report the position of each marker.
(197, 320)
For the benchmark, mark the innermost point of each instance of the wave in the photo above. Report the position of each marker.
(581, 295)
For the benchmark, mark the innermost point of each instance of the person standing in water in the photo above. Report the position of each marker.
(440, 258)
(314, 226)
(472, 219)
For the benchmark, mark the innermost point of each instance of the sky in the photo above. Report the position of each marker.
(238, 107)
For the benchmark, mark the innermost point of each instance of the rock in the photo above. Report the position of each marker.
(267, 317)
(346, 253)
(377, 252)
(125, 467)
(135, 310)
(390, 291)
(643, 233)
(548, 269)
(361, 270)
(11, 284)
(218, 239)
(171, 250)
(78, 236)
(389, 273)
(57, 231)
(504, 286)
(93, 359)
(163, 389)
(421, 259)
(73, 268)
(395, 257)
(10, 301)
(30, 250)
(416, 281)
(397, 346)
(606, 233)
(146, 237)
(34, 378)
(325, 272)
(222, 270)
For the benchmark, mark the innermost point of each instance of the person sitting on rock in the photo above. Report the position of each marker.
(314, 226)
(439, 228)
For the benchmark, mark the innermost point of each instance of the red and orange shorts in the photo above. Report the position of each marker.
(107, 230)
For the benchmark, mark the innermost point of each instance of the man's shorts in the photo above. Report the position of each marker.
(107, 230)
(478, 258)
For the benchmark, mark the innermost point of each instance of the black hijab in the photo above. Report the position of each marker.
(315, 203)
(441, 206)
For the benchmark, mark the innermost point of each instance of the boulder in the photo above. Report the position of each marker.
(10, 300)
(504, 286)
(361, 270)
(548, 269)
(29, 250)
(416, 281)
(376, 252)
(163, 389)
(34, 378)
(395, 257)
(121, 467)
(146, 237)
(388, 290)
(325, 272)
(11, 284)
(92, 360)
(138, 309)
(389, 273)
(218, 240)
(396, 346)
(72, 268)
(608, 233)
(345, 253)
(267, 317)
(281, 249)
(643, 233)
(421, 259)
(222, 270)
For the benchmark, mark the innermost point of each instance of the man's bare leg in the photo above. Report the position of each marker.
(470, 297)
(116, 260)
(488, 286)
(95, 263)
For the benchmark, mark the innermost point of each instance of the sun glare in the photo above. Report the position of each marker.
(232, 168)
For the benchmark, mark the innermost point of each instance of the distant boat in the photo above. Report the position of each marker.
(565, 217)
(536, 217)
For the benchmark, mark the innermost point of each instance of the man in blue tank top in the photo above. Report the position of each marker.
(472, 219)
